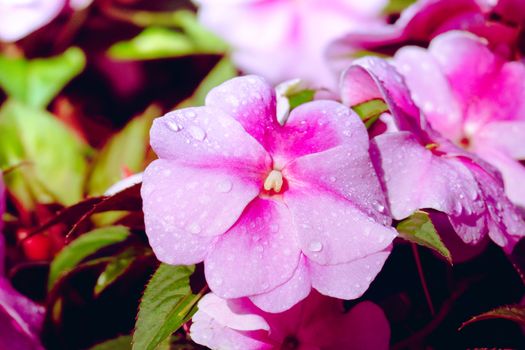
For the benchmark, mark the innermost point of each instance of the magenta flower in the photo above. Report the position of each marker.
(422, 169)
(19, 18)
(425, 19)
(473, 97)
(20, 318)
(316, 323)
(283, 39)
(271, 210)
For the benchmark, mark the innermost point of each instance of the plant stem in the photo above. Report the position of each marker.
(422, 278)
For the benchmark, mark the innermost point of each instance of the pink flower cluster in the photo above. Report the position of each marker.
(276, 207)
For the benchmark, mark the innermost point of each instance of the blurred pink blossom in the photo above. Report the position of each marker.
(316, 323)
(425, 19)
(473, 97)
(272, 210)
(19, 18)
(284, 39)
(422, 169)
(20, 318)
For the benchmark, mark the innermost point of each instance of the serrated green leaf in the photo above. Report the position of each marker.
(514, 313)
(114, 269)
(125, 150)
(121, 343)
(166, 305)
(53, 160)
(419, 229)
(370, 111)
(82, 247)
(36, 82)
(222, 71)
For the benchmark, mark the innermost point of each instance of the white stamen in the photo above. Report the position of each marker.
(274, 181)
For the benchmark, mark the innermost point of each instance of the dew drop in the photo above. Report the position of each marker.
(315, 246)
(332, 178)
(197, 133)
(191, 114)
(173, 126)
(274, 228)
(224, 186)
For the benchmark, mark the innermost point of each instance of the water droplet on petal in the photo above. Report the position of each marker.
(197, 133)
(194, 228)
(315, 246)
(274, 228)
(332, 178)
(173, 126)
(191, 114)
(224, 186)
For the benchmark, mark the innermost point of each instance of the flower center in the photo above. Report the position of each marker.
(274, 181)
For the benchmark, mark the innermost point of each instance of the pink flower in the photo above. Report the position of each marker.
(271, 210)
(20, 318)
(284, 39)
(425, 19)
(316, 323)
(19, 18)
(422, 169)
(473, 97)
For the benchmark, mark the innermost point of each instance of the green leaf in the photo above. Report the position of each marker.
(114, 269)
(167, 303)
(419, 229)
(370, 111)
(161, 42)
(126, 149)
(222, 71)
(36, 82)
(53, 160)
(82, 247)
(121, 343)
(300, 97)
(397, 6)
(514, 313)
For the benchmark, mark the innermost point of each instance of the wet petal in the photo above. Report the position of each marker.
(259, 253)
(349, 280)
(186, 207)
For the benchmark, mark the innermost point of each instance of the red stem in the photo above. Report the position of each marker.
(422, 278)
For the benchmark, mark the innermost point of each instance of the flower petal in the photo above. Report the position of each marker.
(238, 314)
(251, 101)
(490, 137)
(207, 137)
(332, 230)
(349, 280)
(288, 294)
(259, 253)
(430, 90)
(184, 208)
(316, 127)
(443, 183)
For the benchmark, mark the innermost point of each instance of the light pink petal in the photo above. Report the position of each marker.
(251, 101)
(208, 332)
(505, 221)
(430, 90)
(374, 78)
(20, 18)
(184, 208)
(259, 253)
(207, 137)
(316, 127)
(332, 230)
(344, 171)
(502, 136)
(288, 294)
(513, 173)
(349, 280)
(487, 87)
(415, 178)
(238, 314)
